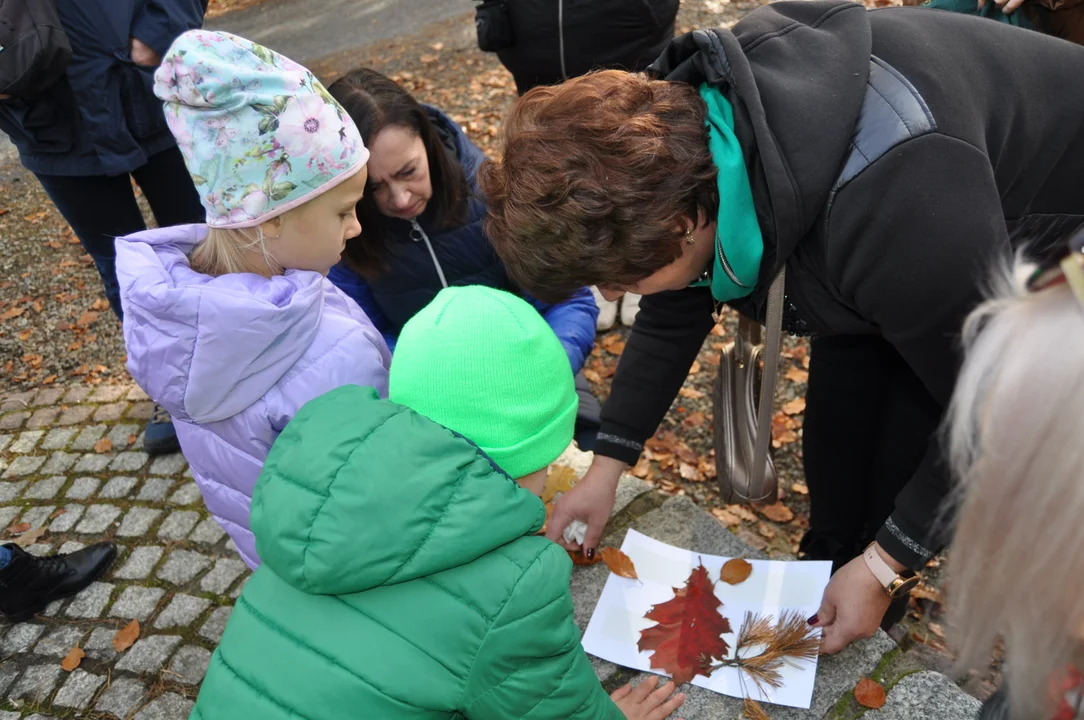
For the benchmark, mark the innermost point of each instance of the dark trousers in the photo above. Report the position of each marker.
(588, 416)
(101, 208)
(868, 422)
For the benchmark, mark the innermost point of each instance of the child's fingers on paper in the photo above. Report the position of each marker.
(621, 692)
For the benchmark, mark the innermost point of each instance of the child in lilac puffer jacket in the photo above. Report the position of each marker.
(232, 326)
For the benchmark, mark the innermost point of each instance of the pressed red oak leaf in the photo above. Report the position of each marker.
(686, 638)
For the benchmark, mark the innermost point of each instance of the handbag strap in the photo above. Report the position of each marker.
(774, 328)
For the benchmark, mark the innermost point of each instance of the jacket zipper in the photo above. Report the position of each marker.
(561, 35)
(726, 266)
(416, 228)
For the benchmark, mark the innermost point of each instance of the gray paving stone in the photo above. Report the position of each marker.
(5, 440)
(169, 706)
(45, 489)
(75, 415)
(98, 518)
(186, 495)
(225, 571)
(99, 645)
(52, 609)
(129, 461)
(183, 565)
(7, 515)
(118, 487)
(57, 439)
(82, 488)
(10, 490)
(168, 464)
(108, 393)
(112, 411)
(67, 520)
(36, 683)
(17, 401)
(13, 421)
(26, 441)
(76, 395)
(208, 532)
(40, 549)
(189, 665)
(138, 521)
(8, 672)
(155, 489)
(122, 696)
(181, 611)
(38, 516)
(88, 437)
(188, 473)
(139, 563)
(178, 524)
(19, 638)
(60, 641)
(70, 547)
(926, 696)
(79, 689)
(236, 593)
(216, 624)
(91, 601)
(136, 603)
(49, 396)
(59, 462)
(24, 465)
(148, 654)
(43, 418)
(6, 715)
(136, 394)
(120, 435)
(91, 463)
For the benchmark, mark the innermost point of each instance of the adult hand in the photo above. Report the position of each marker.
(1007, 6)
(853, 605)
(589, 500)
(143, 55)
(640, 703)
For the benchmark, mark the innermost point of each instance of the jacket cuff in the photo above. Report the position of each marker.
(906, 547)
(609, 443)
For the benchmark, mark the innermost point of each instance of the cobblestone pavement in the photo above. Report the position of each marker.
(176, 572)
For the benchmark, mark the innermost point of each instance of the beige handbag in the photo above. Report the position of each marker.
(743, 406)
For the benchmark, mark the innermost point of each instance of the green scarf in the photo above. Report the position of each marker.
(739, 245)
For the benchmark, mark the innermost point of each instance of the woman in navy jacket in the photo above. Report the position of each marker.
(421, 221)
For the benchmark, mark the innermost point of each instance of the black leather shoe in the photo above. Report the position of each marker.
(28, 584)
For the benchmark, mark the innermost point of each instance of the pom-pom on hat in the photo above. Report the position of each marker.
(259, 133)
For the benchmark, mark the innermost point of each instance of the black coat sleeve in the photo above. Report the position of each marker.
(665, 339)
(912, 243)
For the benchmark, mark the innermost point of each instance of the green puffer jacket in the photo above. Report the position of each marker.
(400, 580)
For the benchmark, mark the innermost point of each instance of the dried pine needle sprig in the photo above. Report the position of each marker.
(751, 710)
(783, 643)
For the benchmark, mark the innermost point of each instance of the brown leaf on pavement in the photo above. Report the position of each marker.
(690, 393)
(800, 488)
(592, 375)
(869, 694)
(29, 537)
(797, 376)
(689, 472)
(19, 528)
(126, 636)
(619, 563)
(726, 517)
(778, 512)
(735, 571)
(87, 319)
(560, 479)
(613, 344)
(103, 446)
(73, 659)
(743, 512)
(795, 407)
(57, 513)
(641, 469)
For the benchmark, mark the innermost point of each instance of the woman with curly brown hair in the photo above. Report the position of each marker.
(828, 141)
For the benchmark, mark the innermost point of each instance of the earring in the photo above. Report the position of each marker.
(689, 239)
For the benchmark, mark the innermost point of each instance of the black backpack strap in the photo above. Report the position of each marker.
(892, 112)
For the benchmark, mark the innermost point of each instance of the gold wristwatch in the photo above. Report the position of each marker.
(895, 584)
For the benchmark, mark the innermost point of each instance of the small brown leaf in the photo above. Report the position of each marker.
(641, 468)
(742, 512)
(800, 488)
(619, 563)
(24, 335)
(778, 512)
(795, 407)
(126, 636)
(132, 438)
(751, 710)
(592, 375)
(100, 304)
(694, 419)
(12, 313)
(797, 376)
(726, 517)
(19, 528)
(695, 367)
(29, 537)
(735, 571)
(103, 446)
(560, 479)
(689, 472)
(57, 513)
(73, 659)
(87, 319)
(869, 694)
(764, 531)
(427, 59)
(690, 393)
(613, 344)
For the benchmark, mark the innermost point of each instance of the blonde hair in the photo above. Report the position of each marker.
(1016, 441)
(234, 250)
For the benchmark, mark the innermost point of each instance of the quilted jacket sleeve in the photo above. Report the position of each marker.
(531, 664)
(573, 321)
(359, 291)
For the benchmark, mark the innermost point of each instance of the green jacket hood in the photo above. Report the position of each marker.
(359, 492)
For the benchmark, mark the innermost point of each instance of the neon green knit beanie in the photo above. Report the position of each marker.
(485, 364)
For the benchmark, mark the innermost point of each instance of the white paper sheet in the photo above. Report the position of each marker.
(773, 587)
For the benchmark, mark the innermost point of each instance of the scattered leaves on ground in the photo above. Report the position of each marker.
(794, 407)
(797, 376)
(686, 639)
(778, 512)
(869, 694)
(29, 537)
(560, 479)
(73, 659)
(103, 446)
(19, 528)
(619, 563)
(57, 513)
(735, 571)
(126, 636)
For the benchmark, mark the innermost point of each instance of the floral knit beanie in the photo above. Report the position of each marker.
(259, 133)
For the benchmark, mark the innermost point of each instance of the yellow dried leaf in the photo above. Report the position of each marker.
(795, 407)
(561, 478)
(103, 446)
(619, 563)
(735, 571)
(29, 537)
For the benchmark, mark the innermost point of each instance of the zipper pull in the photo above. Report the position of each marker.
(416, 233)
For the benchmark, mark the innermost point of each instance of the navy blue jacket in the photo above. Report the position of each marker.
(102, 118)
(411, 281)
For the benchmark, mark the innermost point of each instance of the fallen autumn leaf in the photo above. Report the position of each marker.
(19, 528)
(103, 446)
(735, 571)
(778, 512)
(73, 659)
(560, 479)
(29, 537)
(126, 636)
(619, 563)
(869, 694)
(794, 407)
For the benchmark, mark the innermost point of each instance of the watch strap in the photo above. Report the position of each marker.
(880, 569)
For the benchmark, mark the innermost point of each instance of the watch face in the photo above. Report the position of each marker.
(904, 586)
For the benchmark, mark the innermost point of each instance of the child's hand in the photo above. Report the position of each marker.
(640, 703)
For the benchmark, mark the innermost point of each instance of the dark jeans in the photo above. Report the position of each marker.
(101, 208)
(868, 422)
(588, 417)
